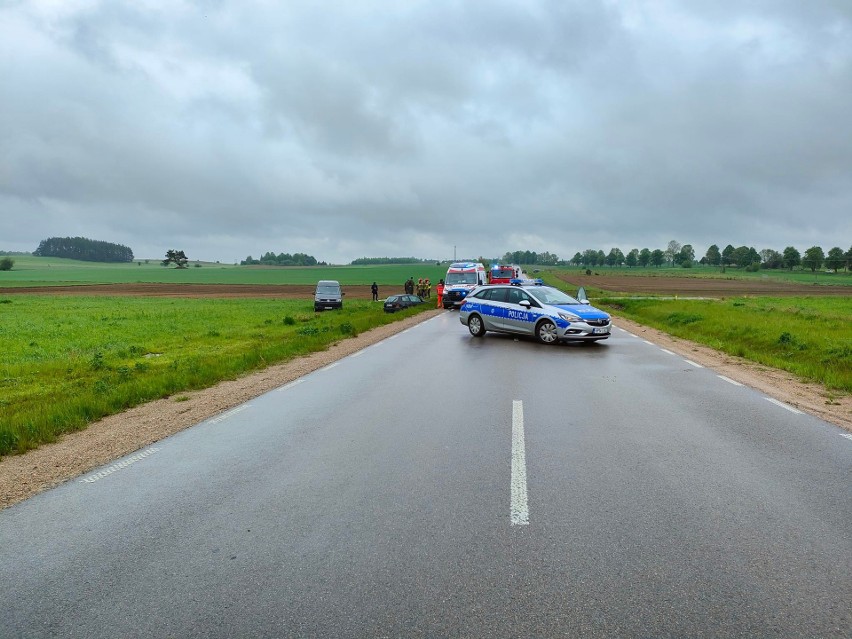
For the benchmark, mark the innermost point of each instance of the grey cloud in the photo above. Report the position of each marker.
(572, 124)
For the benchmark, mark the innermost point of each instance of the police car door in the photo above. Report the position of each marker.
(494, 308)
(518, 318)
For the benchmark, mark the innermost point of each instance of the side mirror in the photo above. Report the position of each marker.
(525, 303)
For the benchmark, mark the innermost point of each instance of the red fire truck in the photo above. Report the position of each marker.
(504, 274)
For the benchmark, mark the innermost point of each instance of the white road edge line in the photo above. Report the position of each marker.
(330, 366)
(357, 354)
(691, 363)
(291, 385)
(230, 413)
(119, 466)
(519, 508)
(665, 351)
(647, 342)
(729, 380)
(784, 406)
(846, 435)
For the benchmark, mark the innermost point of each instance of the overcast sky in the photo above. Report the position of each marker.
(397, 128)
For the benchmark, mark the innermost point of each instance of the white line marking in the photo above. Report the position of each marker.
(665, 351)
(846, 435)
(394, 336)
(230, 413)
(636, 336)
(691, 363)
(784, 406)
(325, 368)
(291, 385)
(647, 342)
(729, 380)
(118, 466)
(519, 508)
(358, 354)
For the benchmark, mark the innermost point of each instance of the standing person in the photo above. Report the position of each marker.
(439, 289)
(428, 285)
(409, 286)
(374, 289)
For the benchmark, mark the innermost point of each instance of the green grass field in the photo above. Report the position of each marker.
(45, 271)
(841, 278)
(808, 336)
(69, 361)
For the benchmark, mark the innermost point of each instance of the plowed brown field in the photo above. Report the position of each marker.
(681, 286)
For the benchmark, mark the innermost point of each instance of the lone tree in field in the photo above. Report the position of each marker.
(178, 257)
(6, 264)
(813, 258)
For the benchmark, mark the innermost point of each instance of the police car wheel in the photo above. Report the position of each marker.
(475, 326)
(546, 333)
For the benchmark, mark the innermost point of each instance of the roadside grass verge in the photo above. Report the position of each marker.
(68, 361)
(810, 337)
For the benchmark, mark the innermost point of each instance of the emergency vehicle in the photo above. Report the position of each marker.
(503, 274)
(461, 278)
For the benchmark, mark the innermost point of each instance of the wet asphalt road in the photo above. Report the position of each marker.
(376, 498)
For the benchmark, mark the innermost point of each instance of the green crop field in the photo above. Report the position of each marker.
(68, 361)
(45, 271)
(808, 336)
(800, 276)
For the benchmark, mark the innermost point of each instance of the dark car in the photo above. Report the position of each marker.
(398, 302)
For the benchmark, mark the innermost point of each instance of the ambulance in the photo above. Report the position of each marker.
(461, 278)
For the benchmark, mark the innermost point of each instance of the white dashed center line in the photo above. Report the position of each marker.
(519, 508)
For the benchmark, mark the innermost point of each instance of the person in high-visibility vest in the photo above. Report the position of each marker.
(439, 289)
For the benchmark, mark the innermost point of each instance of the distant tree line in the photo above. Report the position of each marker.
(82, 248)
(530, 257)
(675, 254)
(14, 253)
(361, 261)
(282, 259)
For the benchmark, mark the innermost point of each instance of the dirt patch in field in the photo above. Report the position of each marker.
(701, 287)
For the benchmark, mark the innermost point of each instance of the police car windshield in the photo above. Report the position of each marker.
(552, 296)
(460, 278)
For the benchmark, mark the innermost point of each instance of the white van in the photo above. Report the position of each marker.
(328, 295)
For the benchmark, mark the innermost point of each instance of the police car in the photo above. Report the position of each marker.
(528, 308)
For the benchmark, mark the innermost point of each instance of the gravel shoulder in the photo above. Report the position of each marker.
(23, 476)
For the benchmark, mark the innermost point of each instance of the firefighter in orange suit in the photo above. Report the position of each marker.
(439, 289)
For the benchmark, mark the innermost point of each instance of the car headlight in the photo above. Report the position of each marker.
(569, 317)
